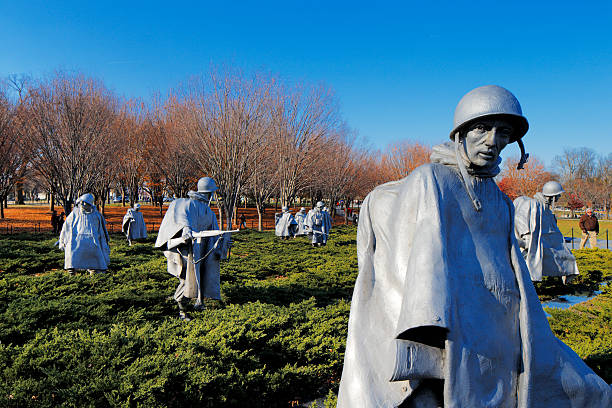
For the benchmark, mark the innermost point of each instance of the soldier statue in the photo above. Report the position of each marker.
(539, 238)
(444, 312)
(193, 244)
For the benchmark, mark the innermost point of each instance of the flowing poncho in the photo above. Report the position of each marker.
(196, 216)
(300, 217)
(444, 293)
(315, 223)
(85, 240)
(286, 225)
(133, 225)
(541, 242)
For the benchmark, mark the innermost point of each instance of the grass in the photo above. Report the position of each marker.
(276, 339)
(114, 340)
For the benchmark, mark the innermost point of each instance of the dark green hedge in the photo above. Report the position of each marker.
(276, 338)
(114, 340)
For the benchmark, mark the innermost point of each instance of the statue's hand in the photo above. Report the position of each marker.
(187, 234)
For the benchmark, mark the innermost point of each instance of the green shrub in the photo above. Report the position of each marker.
(277, 336)
(113, 339)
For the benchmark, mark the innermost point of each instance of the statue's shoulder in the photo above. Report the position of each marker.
(522, 200)
(418, 177)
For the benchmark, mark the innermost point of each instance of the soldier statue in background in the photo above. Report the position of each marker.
(194, 246)
(84, 238)
(539, 238)
(315, 222)
(285, 225)
(133, 225)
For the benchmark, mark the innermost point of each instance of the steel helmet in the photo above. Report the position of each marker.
(137, 206)
(486, 101)
(206, 185)
(302, 209)
(552, 188)
(320, 204)
(86, 198)
(285, 208)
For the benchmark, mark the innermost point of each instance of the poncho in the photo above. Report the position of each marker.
(85, 240)
(444, 268)
(286, 225)
(327, 223)
(540, 240)
(133, 225)
(197, 216)
(315, 223)
(300, 217)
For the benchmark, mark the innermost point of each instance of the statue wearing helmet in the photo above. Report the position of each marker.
(300, 217)
(133, 225)
(84, 238)
(285, 225)
(539, 238)
(444, 312)
(315, 221)
(327, 224)
(190, 238)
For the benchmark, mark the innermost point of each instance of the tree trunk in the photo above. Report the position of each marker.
(228, 217)
(103, 201)
(347, 205)
(20, 198)
(259, 220)
(2, 207)
(52, 202)
(67, 207)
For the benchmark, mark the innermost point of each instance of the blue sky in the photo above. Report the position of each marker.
(398, 68)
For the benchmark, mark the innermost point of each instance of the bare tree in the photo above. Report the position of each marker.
(524, 182)
(131, 138)
(169, 150)
(263, 182)
(340, 167)
(401, 158)
(69, 120)
(12, 152)
(303, 118)
(224, 119)
(576, 163)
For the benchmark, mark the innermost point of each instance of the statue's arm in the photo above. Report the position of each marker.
(434, 336)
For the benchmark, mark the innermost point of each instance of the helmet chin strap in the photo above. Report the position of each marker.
(524, 156)
(465, 177)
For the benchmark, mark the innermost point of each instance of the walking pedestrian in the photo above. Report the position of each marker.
(590, 228)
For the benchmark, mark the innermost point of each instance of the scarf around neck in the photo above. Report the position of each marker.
(445, 154)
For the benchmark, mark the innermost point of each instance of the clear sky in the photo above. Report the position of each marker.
(398, 68)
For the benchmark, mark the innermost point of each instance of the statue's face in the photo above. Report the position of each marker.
(86, 207)
(485, 139)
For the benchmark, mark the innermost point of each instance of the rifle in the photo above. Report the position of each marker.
(175, 242)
